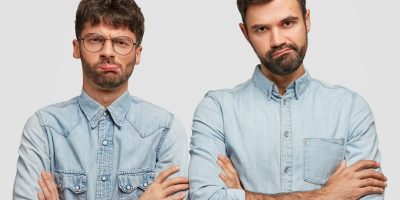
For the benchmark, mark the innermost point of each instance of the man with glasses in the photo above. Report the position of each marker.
(105, 143)
(282, 134)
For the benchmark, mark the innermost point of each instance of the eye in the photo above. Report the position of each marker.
(95, 40)
(288, 24)
(121, 43)
(261, 29)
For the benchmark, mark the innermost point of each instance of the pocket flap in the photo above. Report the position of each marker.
(128, 181)
(72, 180)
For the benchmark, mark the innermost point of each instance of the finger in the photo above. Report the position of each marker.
(223, 166)
(175, 181)
(372, 182)
(227, 160)
(226, 173)
(40, 196)
(49, 183)
(364, 164)
(176, 188)
(54, 185)
(340, 168)
(166, 173)
(370, 173)
(44, 188)
(223, 177)
(221, 163)
(371, 190)
(179, 196)
(229, 165)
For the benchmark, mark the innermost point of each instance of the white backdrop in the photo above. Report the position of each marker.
(191, 47)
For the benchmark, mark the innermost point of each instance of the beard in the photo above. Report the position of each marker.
(287, 63)
(107, 80)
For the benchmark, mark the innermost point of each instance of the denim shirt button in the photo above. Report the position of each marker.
(103, 178)
(145, 184)
(286, 170)
(77, 187)
(128, 187)
(105, 142)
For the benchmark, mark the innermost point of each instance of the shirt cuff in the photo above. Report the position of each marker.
(235, 194)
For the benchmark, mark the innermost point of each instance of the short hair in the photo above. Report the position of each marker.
(244, 4)
(118, 13)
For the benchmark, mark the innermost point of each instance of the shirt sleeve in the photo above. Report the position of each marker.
(362, 143)
(174, 150)
(33, 159)
(207, 142)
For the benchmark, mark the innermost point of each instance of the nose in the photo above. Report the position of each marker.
(108, 49)
(277, 38)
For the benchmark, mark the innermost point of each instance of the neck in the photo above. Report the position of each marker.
(282, 82)
(105, 97)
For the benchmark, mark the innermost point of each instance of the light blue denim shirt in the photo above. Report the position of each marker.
(278, 143)
(99, 153)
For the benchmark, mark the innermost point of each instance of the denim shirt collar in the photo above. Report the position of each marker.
(94, 111)
(269, 88)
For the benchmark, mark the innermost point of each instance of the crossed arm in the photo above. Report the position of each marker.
(163, 187)
(347, 183)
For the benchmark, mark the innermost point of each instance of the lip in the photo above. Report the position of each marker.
(281, 52)
(108, 68)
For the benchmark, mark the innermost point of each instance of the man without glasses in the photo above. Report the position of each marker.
(104, 143)
(283, 134)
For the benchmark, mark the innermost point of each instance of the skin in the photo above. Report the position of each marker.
(274, 24)
(347, 183)
(267, 27)
(105, 96)
(163, 187)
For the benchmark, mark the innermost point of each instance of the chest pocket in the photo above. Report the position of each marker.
(71, 184)
(321, 158)
(133, 183)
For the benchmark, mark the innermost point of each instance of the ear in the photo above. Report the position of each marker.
(138, 53)
(307, 20)
(244, 31)
(76, 53)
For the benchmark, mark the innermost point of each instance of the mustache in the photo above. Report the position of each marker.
(279, 48)
(105, 61)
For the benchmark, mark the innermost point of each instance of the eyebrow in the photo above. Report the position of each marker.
(289, 18)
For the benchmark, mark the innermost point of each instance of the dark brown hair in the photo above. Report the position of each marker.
(244, 4)
(118, 13)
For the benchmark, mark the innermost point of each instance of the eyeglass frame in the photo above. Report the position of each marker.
(105, 39)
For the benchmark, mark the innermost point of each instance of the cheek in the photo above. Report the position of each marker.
(261, 45)
(299, 37)
(127, 62)
(90, 59)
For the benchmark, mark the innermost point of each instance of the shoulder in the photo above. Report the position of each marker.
(62, 116)
(147, 118)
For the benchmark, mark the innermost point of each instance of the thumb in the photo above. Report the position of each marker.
(341, 167)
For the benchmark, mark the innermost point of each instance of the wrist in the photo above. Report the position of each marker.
(322, 193)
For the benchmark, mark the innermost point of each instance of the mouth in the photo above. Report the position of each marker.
(281, 52)
(109, 68)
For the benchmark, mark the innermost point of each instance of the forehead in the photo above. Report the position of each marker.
(273, 11)
(107, 30)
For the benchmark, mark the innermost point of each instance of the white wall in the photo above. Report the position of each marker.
(191, 47)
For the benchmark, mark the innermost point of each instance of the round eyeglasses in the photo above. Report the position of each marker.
(94, 42)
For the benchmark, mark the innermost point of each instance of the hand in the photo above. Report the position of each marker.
(355, 181)
(48, 187)
(164, 188)
(229, 174)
